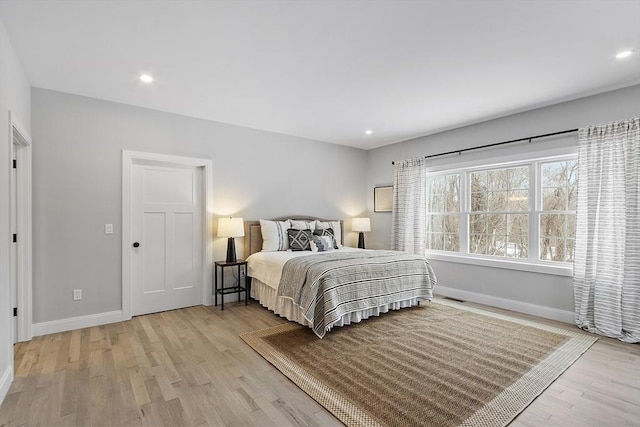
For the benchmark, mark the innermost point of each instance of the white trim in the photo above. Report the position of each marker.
(128, 159)
(25, 227)
(71, 323)
(507, 304)
(5, 381)
(506, 263)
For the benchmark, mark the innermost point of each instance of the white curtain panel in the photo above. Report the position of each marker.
(607, 252)
(408, 217)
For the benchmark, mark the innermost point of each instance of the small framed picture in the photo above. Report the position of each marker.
(383, 198)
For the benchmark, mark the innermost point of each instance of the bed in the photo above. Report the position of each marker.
(327, 288)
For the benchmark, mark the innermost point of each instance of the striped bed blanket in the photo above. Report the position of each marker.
(330, 285)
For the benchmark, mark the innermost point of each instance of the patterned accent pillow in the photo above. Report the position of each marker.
(299, 240)
(335, 226)
(322, 243)
(328, 232)
(274, 235)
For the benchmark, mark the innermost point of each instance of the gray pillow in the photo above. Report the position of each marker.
(299, 240)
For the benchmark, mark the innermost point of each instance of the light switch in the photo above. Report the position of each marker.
(108, 229)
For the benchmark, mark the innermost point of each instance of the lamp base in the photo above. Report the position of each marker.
(361, 240)
(231, 250)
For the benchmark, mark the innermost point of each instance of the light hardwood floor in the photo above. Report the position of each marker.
(189, 367)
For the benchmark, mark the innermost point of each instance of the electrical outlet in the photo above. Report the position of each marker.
(242, 273)
(108, 229)
(77, 294)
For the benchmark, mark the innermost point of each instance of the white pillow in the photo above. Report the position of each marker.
(274, 235)
(302, 225)
(335, 226)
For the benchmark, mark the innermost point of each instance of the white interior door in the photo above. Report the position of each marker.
(14, 245)
(167, 225)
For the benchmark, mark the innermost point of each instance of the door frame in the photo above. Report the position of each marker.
(24, 213)
(129, 158)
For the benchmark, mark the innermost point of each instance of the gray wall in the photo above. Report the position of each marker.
(546, 290)
(14, 96)
(77, 184)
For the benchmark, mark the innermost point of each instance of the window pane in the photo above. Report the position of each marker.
(519, 178)
(477, 244)
(479, 202)
(497, 224)
(444, 193)
(552, 249)
(498, 201)
(518, 247)
(443, 212)
(452, 242)
(452, 193)
(435, 203)
(498, 179)
(553, 199)
(435, 224)
(451, 223)
(552, 175)
(557, 234)
(477, 223)
(504, 235)
(570, 250)
(559, 185)
(518, 224)
(479, 181)
(572, 197)
(496, 245)
(571, 226)
(519, 200)
(436, 241)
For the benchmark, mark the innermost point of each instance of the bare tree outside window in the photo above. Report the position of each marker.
(558, 215)
(499, 217)
(443, 213)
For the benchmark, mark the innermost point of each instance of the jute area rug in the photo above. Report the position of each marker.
(438, 364)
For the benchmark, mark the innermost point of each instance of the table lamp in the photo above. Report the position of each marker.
(361, 225)
(231, 227)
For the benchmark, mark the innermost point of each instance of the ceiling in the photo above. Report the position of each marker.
(329, 70)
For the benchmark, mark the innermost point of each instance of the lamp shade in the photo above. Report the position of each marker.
(230, 227)
(361, 224)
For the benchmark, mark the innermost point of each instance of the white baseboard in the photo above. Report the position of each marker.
(508, 304)
(5, 382)
(62, 325)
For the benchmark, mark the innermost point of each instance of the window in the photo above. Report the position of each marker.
(558, 213)
(499, 217)
(443, 213)
(522, 211)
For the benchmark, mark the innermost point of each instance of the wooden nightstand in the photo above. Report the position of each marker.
(229, 290)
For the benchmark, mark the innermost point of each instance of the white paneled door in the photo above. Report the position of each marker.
(167, 235)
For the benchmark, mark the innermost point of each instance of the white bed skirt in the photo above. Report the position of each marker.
(284, 307)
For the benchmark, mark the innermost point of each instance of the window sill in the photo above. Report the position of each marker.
(556, 270)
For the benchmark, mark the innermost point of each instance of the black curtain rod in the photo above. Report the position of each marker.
(529, 138)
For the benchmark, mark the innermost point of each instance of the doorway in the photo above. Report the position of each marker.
(166, 232)
(21, 232)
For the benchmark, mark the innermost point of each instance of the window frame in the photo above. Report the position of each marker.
(532, 263)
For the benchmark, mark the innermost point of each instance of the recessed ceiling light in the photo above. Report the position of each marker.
(146, 78)
(624, 54)
(368, 131)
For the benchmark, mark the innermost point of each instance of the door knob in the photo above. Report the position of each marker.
(136, 244)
